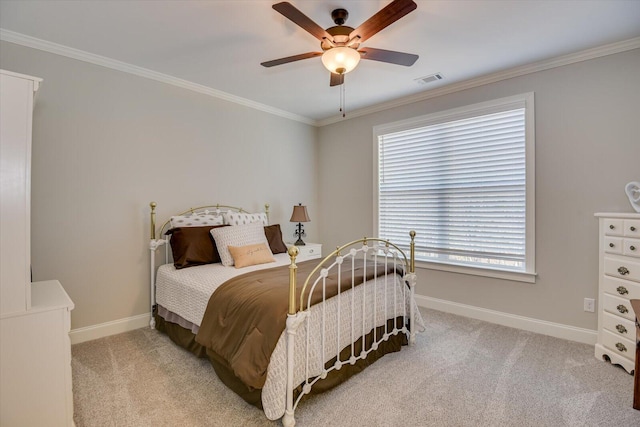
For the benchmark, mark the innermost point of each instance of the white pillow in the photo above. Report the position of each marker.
(239, 235)
(243, 218)
(196, 220)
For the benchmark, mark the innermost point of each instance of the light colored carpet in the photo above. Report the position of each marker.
(462, 372)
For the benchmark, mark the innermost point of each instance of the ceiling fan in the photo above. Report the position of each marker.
(340, 45)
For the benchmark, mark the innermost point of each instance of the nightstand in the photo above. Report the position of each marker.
(308, 251)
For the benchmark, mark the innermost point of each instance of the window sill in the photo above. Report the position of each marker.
(477, 271)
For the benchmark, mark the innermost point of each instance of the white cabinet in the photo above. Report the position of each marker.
(308, 251)
(35, 318)
(619, 282)
(16, 107)
(35, 361)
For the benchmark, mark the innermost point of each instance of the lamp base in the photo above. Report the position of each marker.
(299, 233)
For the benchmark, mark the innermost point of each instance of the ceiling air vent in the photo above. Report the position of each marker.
(429, 79)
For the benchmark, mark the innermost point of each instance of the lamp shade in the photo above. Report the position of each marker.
(340, 59)
(300, 214)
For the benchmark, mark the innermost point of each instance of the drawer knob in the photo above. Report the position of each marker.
(621, 347)
(611, 226)
(623, 270)
(622, 309)
(611, 245)
(621, 329)
(633, 248)
(622, 290)
(633, 228)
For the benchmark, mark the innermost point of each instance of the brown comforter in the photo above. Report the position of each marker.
(246, 315)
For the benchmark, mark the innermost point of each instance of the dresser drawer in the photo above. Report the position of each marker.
(621, 288)
(631, 247)
(632, 227)
(623, 268)
(619, 326)
(619, 345)
(613, 245)
(618, 306)
(613, 227)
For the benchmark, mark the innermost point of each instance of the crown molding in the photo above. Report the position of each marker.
(585, 55)
(58, 49)
(534, 67)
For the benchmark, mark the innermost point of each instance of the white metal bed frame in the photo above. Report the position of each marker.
(371, 250)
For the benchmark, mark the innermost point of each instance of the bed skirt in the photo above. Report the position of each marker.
(185, 338)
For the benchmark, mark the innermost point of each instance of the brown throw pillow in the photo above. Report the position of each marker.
(274, 237)
(193, 246)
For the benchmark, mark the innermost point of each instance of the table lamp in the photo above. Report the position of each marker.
(299, 215)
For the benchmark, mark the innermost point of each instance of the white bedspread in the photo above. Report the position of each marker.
(186, 292)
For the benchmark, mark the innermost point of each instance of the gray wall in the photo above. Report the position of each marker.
(106, 143)
(587, 149)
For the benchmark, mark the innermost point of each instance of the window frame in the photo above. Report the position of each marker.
(482, 108)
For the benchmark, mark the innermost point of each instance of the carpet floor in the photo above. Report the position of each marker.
(461, 372)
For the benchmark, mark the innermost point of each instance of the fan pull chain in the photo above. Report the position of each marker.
(342, 99)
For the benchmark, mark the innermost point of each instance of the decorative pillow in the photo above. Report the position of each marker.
(274, 237)
(243, 218)
(193, 246)
(244, 256)
(196, 220)
(239, 235)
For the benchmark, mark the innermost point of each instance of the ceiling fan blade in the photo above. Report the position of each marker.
(336, 79)
(288, 59)
(390, 56)
(302, 20)
(385, 17)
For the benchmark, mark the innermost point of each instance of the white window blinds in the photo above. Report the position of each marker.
(461, 185)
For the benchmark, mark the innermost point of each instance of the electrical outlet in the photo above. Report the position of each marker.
(590, 305)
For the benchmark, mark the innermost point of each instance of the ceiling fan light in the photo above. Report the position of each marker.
(340, 58)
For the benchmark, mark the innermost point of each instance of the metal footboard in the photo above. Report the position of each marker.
(358, 314)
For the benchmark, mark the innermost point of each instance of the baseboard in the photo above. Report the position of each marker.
(558, 330)
(109, 328)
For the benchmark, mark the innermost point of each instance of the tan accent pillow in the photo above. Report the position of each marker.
(244, 256)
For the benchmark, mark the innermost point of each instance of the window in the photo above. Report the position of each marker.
(464, 181)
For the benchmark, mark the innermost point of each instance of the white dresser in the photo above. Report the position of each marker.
(35, 361)
(35, 318)
(619, 283)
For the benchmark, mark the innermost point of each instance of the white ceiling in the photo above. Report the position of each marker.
(220, 44)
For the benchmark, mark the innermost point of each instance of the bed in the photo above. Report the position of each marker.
(226, 287)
